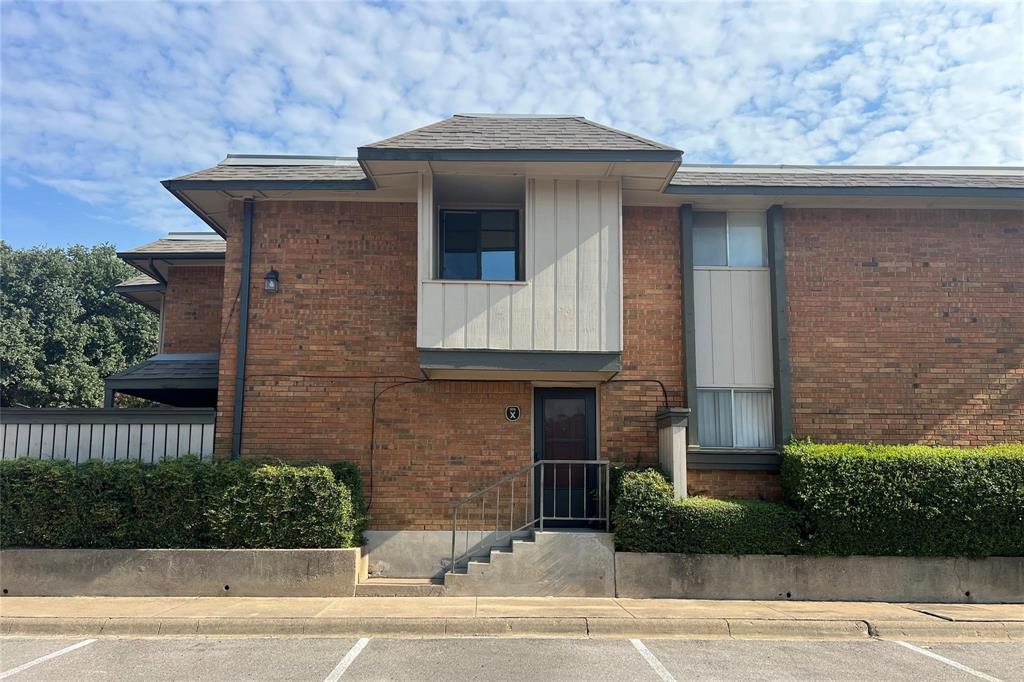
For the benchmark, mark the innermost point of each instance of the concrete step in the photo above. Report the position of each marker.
(400, 587)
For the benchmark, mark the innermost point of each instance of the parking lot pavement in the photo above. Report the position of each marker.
(503, 659)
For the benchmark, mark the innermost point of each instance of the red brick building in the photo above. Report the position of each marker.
(469, 298)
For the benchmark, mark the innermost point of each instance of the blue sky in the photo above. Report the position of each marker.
(102, 100)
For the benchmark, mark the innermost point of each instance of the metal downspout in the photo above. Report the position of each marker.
(243, 330)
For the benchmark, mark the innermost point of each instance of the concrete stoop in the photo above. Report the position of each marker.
(550, 564)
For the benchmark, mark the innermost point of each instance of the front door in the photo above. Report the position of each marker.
(565, 432)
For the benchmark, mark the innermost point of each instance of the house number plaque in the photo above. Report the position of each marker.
(512, 413)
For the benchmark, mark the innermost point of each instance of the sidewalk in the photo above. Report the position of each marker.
(506, 616)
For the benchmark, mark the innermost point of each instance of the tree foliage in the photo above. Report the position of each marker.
(62, 327)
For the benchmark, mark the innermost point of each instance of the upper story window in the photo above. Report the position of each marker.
(480, 244)
(733, 239)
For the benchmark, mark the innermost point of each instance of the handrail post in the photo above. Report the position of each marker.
(607, 499)
(455, 516)
(542, 494)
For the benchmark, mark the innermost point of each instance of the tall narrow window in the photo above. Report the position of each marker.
(732, 320)
(480, 244)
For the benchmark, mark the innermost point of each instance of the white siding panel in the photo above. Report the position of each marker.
(590, 293)
(566, 244)
(742, 340)
(499, 315)
(732, 316)
(761, 327)
(572, 297)
(476, 316)
(146, 443)
(49, 431)
(521, 333)
(544, 263)
(60, 441)
(35, 440)
(702, 327)
(432, 321)
(721, 329)
(455, 316)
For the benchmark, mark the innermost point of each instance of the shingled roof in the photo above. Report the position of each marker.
(180, 245)
(849, 177)
(246, 167)
(511, 133)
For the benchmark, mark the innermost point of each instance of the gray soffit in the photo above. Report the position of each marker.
(142, 289)
(913, 181)
(519, 361)
(494, 137)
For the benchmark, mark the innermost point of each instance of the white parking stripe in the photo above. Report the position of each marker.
(344, 663)
(653, 661)
(947, 661)
(41, 659)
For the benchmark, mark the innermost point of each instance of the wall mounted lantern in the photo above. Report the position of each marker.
(270, 282)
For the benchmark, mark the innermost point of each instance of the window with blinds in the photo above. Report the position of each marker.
(733, 326)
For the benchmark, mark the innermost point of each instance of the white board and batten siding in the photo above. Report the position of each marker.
(144, 435)
(571, 297)
(732, 320)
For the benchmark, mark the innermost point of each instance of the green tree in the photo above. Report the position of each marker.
(62, 327)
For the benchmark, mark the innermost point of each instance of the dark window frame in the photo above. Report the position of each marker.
(518, 235)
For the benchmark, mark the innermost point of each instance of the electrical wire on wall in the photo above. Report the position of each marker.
(664, 391)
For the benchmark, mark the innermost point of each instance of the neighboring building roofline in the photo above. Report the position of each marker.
(567, 155)
(863, 191)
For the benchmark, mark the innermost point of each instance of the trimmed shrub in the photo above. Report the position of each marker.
(908, 500)
(38, 504)
(180, 503)
(348, 474)
(648, 519)
(285, 507)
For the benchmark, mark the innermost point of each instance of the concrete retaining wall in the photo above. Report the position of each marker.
(856, 578)
(179, 572)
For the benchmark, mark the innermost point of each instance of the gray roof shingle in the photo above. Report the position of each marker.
(496, 132)
(172, 366)
(848, 176)
(238, 167)
(179, 245)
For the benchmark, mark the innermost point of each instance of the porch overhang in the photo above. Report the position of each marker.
(501, 365)
(176, 379)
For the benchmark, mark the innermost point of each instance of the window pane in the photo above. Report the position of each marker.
(498, 265)
(460, 240)
(714, 419)
(499, 220)
(709, 239)
(459, 266)
(754, 419)
(498, 240)
(747, 244)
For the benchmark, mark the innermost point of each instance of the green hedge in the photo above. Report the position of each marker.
(180, 503)
(908, 500)
(648, 519)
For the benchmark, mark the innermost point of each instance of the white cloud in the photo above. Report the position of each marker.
(102, 100)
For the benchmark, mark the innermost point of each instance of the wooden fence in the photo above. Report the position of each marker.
(78, 435)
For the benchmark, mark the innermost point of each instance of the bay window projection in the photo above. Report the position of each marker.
(732, 317)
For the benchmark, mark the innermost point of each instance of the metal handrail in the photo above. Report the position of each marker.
(539, 515)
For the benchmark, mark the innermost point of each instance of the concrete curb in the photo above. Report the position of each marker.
(946, 631)
(678, 628)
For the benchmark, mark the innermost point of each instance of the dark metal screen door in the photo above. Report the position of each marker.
(566, 429)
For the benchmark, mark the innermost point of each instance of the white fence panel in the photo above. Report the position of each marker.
(78, 435)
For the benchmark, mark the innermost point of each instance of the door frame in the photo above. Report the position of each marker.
(540, 393)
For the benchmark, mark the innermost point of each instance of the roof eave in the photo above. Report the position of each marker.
(568, 155)
(888, 191)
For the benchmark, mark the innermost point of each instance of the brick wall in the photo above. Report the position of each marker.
(192, 308)
(906, 325)
(347, 309)
(652, 336)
